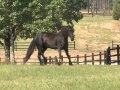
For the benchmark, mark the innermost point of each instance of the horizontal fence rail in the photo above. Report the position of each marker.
(19, 46)
(93, 59)
(115, 43)
(108, 57)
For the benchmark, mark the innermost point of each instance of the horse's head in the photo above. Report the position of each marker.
(70, 32)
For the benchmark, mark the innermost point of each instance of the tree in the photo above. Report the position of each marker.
(13, 15)
(23, 18)
(116, 9)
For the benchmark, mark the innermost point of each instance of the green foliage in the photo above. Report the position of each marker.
(24, 18)
(49, 14)
(37, 15)
(116, 9)
(12, 13)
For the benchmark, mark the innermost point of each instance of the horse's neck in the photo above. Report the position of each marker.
(63, 35)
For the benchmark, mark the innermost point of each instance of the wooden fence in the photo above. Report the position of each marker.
(99, 7)
(108, 57)
(115, 43)
(113, 55)
(93, 59)
(19, 46)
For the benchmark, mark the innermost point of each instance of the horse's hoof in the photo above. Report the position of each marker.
(23, 63)
(59, 63)
(70, 64)
(45, 63)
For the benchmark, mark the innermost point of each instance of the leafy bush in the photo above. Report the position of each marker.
(116, 9)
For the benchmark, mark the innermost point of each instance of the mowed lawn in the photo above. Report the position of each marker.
(53, 77)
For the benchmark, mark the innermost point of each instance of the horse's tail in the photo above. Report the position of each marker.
(30, 51)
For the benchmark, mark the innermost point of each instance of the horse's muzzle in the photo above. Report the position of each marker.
(72, 38)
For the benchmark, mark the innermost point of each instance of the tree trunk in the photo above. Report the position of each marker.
(9, 44)
(12, 54)
(7, 49)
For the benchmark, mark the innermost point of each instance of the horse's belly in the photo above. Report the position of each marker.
(52, 46)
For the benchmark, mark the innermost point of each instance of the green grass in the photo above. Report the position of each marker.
(96, 18)
(51, 77)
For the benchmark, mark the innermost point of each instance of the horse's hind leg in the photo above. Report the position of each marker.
(39, 57)
(45, 59)
(41, 53)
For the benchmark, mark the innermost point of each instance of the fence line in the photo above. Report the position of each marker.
(24, 45)
(108, 57)
(98, 7)
(85, 59)
(115, 43)
(113, 55)
(92, 59)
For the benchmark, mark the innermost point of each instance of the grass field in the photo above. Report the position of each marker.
(51, 77)
(96, 33)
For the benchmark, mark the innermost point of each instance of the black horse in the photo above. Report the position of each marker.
(44, 40)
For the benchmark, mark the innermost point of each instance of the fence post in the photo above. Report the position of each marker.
(108, 56)
(85, 59)
(92, 58)
(62, 59)
(74, 45)
(49, 59)
(56, 60)
(100, 57)
(105, 57)
(112, 44)
(77, 59)
(118, 54)
(52, 61)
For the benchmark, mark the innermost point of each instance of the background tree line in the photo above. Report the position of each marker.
(116, 9)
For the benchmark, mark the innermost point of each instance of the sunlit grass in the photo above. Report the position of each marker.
(96, 33)
(96, 18)
(51, 77)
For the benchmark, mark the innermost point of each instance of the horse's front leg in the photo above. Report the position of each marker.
(66, 51)
(60, 57)
(45, 59)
